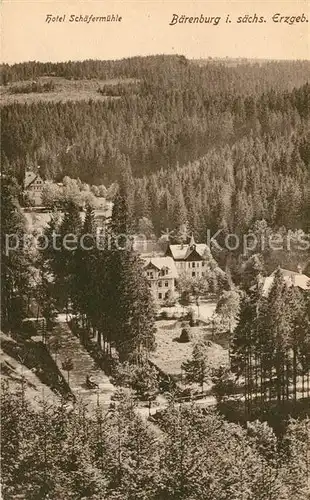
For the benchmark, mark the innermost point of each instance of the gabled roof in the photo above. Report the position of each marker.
(302, 281)
(285, 272)
(162, 262)
(182, 252)
(291, 278)
(30, 177)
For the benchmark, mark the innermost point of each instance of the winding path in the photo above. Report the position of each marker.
(69, 347)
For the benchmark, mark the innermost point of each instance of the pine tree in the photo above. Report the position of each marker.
(278, 325)
(179, 212)
(84, 272)
(297, 460)
(243, 345)
(14, 259)
(301, 333)
(69, 235)
(228, 307)
(131, 312)
(298, 344)
(197, 369)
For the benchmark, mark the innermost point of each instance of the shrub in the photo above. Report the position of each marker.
(185, 335)
(224, 384)
(186, 394)
(191, 317)
(170, 302)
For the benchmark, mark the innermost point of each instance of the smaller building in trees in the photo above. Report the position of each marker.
(33, 186)
(292, 278)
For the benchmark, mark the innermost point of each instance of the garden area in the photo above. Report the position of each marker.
(175, 341)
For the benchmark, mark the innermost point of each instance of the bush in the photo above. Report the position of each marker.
(224, 384)
(191, 317)
(170, 303)
(186, 394)
(164, 315)
(185, 335)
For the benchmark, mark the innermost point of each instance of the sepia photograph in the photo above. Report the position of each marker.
(155, 250)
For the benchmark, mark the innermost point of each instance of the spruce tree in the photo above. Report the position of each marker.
(131, 312)
(243, 346)
(278, 326)
(82, 292)
(197, 368)
(14, 258)
(299, 339)
(69, 232)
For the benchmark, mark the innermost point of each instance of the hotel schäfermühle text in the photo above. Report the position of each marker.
(87, 19)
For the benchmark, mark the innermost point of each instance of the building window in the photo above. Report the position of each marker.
(166, 283)
(160, 295)
(160, 284)
(197, 264)
(193, 274)
(193, 264)
(166, 295)
(202, 274)
(202, 263)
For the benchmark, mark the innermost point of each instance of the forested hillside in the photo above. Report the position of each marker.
(232, 186)
(176, 145)
(211, 144)
(282, 74)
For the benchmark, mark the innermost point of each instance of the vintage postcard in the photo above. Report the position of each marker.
(155, 250)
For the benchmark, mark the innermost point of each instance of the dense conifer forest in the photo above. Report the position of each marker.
(115, 455)
(183, 145)
(220, 144)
